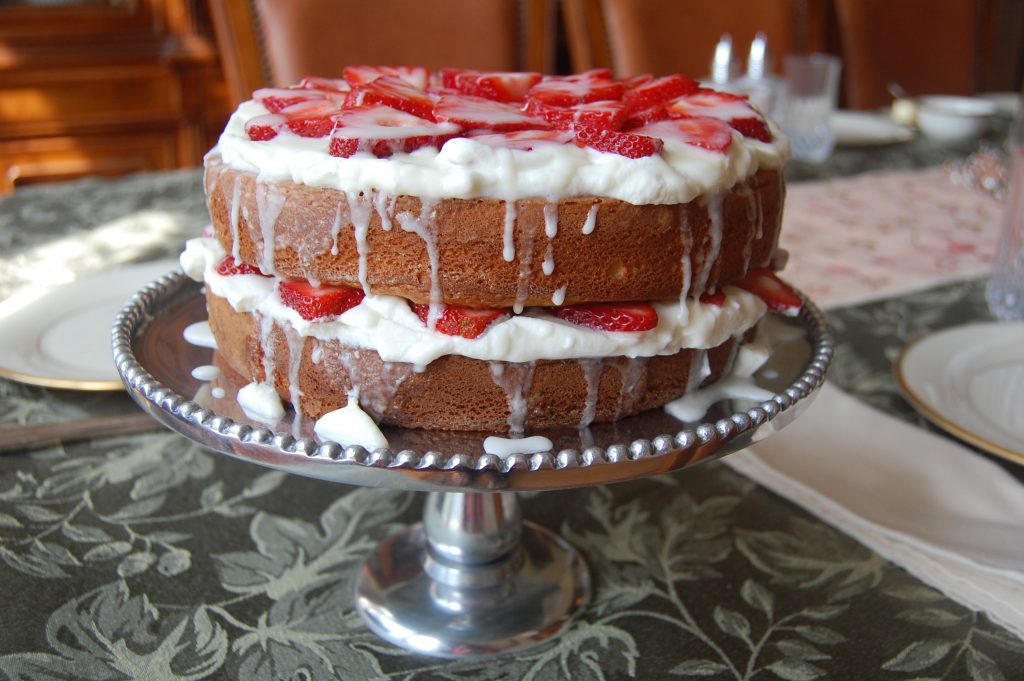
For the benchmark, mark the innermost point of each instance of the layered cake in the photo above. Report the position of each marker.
(490, 251)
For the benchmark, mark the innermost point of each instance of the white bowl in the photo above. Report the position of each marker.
(953, 119)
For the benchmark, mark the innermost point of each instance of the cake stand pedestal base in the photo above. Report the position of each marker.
(472, 579)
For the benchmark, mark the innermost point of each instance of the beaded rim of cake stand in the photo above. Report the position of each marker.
(138, 308)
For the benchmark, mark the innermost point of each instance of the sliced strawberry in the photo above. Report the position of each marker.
(229, 266)
(717, 298)
(706, 133)
(477, 112)
(394, 92)
(315, 302)
(525, 140)
(610, 316)
(499, 86)
(449, 77)
(625, 144)
(658, 91)
(265, 127)
(456, 320)
(276, 99)
(733, 109)
(592, 86)
(637, 81)
(417, 76)
(384, 131)
(754, 128)
(325, 84)
(777, 294)
(635, 119)
(311, 119)
(608, 115)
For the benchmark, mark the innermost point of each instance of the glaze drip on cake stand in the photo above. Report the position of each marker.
(472, 579)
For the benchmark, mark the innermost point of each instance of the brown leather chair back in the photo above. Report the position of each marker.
(668, 36)
(279, 41)
(925, 46)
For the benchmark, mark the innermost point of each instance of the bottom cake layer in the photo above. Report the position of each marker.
(455, 392)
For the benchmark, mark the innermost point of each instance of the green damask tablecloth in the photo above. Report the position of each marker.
(147, 557)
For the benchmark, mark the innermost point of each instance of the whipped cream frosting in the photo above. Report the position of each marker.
(465, 169)
(387, 325)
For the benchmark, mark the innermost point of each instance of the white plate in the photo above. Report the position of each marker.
(969, 381)
(60, 337)
(863, 129)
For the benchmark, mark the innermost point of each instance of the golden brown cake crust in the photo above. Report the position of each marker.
(634, 252)
(453, 392)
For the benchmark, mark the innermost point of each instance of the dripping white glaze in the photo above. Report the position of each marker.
(551, 220)
(205, 372)
(270, 200)
(385, 207)
(694, 405)
(508, 246)
(200, 334)
(350, 425)
(503, 446)
(592, 369)
(591, 222)
(686, 263)
(558, 297)
(525, 269)
(236, 194)
(515, 380)
(423, 226)
(295, 343)
(335, 230)
(631, 376)
(359, 215)
(260, 402)
(548, 266)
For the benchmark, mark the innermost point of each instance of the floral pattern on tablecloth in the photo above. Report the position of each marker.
(883, 234)
(148, 557)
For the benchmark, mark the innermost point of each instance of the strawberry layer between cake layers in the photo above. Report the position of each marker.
(526, 371)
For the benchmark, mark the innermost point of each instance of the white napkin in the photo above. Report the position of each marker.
(948, 516)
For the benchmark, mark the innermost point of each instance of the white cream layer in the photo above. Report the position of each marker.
(387, 325)
(465, 169)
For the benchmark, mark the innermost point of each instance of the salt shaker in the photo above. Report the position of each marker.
(1005, 290)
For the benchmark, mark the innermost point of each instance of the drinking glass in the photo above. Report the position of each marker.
(1005, 290)
(810, 89)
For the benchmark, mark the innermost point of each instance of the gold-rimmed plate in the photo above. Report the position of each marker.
(969, 381)
(59, 337)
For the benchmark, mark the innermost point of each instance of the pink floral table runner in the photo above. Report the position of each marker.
(883, 234)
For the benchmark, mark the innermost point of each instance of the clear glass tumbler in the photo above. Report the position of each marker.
(1005, 290)
(810, 90)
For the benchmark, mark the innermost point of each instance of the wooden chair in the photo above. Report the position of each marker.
(277, 42)
(667, 36)
(926, 46)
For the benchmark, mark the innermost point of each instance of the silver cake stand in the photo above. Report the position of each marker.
(473, 578)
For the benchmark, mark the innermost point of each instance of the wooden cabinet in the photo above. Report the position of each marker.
(105, 87)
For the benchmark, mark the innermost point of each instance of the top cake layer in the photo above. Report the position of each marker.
(642, 141)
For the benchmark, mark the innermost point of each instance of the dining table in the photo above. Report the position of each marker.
(146, 556)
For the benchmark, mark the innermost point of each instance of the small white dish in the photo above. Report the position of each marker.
(865, 129)
(969, 381)
(952, 118)
(59, 337)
